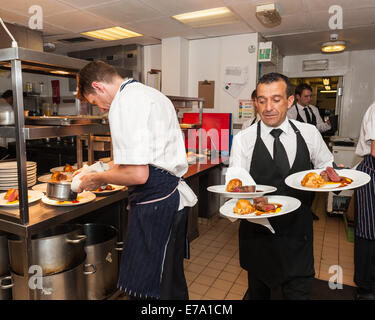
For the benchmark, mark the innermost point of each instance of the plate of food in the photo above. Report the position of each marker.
(56, 176)
(329, 179)
(82, 198)
(259, 207)
(11, 197)
(108, 189)
(235, 189)
(66, 168)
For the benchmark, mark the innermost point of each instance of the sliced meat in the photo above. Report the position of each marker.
(244, 189)
(13, 195)
(258, 200)
(332, 174)
(324, 175)
(265, 207)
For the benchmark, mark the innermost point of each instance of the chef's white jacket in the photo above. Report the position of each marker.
(367, 133)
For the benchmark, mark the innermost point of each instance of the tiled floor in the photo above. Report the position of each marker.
(213, 271)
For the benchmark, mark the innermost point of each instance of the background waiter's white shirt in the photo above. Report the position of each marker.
(320, 124)
(248, 122)
(145, 130)
(367, 132)
(244, 143)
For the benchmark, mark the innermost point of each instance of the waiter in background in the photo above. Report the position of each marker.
(149, 154)
(256, 117)
(364, 221)
(271, 150)
(304, 111)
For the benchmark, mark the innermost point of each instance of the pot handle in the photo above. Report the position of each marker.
(87, 265)
(119, 244)
(79, 239)
(6, 286)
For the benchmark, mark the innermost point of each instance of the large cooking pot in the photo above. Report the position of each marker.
(55, 250)
(6, 114)
(6, 288)
(101, 248)
(60, 190)
(67, 285)
(4, 254)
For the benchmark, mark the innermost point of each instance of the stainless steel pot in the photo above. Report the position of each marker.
(101, 249)
(67, 285)
(60, 190)
(55, 250)
(6, 114)
(4, 254)
(6, 288)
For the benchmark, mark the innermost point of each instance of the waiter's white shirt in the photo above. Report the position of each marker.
(248, 122)
(320, 124)
(145, 130)
(244, 143)
(367, 133)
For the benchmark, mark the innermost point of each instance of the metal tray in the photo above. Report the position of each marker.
(63, 120)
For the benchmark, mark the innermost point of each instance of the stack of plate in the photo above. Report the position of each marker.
(9, 174)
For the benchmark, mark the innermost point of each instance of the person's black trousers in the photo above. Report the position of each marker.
(173, 284)
(364, 263)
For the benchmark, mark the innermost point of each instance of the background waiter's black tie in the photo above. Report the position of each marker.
(279, 153)
(308, 117)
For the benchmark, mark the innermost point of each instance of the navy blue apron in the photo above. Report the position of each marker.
(276, 258)
(299, 118)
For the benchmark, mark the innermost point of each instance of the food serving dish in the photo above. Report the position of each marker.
(259, 190)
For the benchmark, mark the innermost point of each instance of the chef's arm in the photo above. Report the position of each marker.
(373, 148)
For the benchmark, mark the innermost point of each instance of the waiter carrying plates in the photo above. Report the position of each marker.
(271, 150)
(149, 154)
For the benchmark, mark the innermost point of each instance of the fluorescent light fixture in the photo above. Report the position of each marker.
(59, 72)
(326, 81)
(333, 46)
(207, 18)
(327, 88)
(109, 34)
(328, 91)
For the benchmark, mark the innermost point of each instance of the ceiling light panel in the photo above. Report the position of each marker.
(207, 18)
(110, 34)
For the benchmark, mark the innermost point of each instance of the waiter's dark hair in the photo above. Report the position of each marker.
(94, 71)
(274, 77)
(301, 87)
(8, 93)
(254, 94)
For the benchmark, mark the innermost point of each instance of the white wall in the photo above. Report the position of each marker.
(152, 58)
(358, 71)
(204, 59)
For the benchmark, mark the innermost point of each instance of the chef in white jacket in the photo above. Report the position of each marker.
(149, 155)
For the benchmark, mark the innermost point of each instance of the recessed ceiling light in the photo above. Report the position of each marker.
(109, 34)
(207, 18)
(333, 46)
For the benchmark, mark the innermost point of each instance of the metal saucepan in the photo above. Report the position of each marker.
(4, 254)
(55, 250)
(101, 249)
(6, 114)
(67, 285)
(60, 190)
(6, 288)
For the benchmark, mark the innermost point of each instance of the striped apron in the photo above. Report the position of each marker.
(153, 208)
(365, 201)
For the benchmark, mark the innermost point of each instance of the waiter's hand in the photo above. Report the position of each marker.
(91, 181)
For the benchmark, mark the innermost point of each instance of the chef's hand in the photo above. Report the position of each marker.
(90, 181)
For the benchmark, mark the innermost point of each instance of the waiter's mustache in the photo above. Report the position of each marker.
(270, 113)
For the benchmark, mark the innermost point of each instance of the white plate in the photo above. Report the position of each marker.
(32, 197)
(86, 197)
(42, 187)
(108, 192)
(47, 177)
(61, 169)
(10, 165)
(289, 204)
(359, 179)
(262, 189)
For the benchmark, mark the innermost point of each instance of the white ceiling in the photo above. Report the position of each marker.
(303, 28)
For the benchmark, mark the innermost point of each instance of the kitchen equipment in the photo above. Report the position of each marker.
(62, 120)
(6, 114)
(9, 174)
(4, 254)
(6, 288)
(101, 246)
(55, 250)
(60, 190)
(67, 285)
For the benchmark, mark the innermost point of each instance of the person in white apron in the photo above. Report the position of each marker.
(150, 158)
(364, 219)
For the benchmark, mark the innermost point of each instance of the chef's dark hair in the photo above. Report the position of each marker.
(301, 87)
(94, 71)
(274, 77)
(7, 94)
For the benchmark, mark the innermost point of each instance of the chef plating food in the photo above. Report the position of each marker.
(271, 150)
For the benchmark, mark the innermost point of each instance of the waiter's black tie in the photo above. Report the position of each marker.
(279, 153)
(308, 117)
